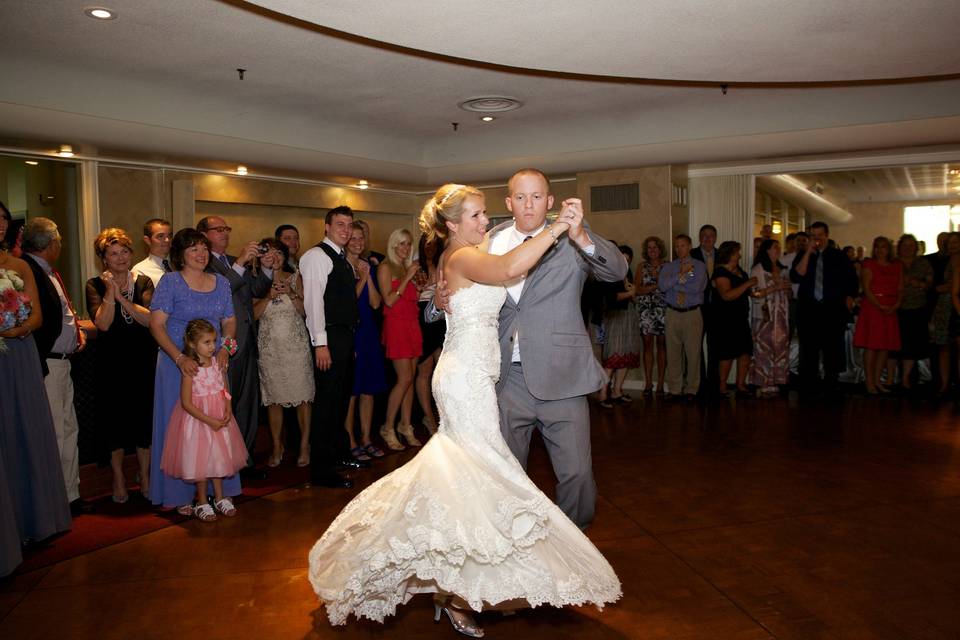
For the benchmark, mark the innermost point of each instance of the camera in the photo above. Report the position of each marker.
(262, 249)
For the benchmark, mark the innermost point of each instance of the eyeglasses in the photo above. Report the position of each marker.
(223, 229)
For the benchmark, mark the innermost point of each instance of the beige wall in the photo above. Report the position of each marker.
(872, 219)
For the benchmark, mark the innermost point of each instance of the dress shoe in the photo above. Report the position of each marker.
(351, 463)
(81, 506)
(330, 480)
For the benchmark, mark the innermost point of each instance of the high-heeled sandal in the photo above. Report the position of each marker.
(430, 425)
(389, 437)
(462, 621)
(406, 430)
(304, 458)
(373, 451)
(275, 458)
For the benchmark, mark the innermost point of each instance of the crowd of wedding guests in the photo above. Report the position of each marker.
(705, 314)
(195, 336)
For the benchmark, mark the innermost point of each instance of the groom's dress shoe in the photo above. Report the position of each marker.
(350, 463)
(330, 480)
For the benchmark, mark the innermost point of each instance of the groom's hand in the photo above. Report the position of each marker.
(571, 212)
(441, 298)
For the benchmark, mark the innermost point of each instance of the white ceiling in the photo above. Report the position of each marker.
(159, 82)
(887, 184)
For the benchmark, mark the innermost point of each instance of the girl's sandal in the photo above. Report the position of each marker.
(204, 512)
(225, 506)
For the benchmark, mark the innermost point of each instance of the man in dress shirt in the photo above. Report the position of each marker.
(709, 365)
(330, 302)
(827, 286)
(245, 285)
(156, 235)
(683, 282)
(59, 337)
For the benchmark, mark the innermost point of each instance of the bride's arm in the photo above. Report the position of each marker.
(480, 266)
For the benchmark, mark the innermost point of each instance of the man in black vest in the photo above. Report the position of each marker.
(828, 285)
(330, 301)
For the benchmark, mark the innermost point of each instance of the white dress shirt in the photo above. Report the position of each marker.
(152, 267)
(315, 268)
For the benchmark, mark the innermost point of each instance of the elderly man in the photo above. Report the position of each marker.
(245, 285)
(59, 337)
(157, 234)
(683, 282)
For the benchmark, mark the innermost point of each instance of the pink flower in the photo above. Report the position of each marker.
(10, 300)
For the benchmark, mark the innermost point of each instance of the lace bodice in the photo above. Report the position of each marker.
(208, 381)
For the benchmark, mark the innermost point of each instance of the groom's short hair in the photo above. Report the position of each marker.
(528, 172)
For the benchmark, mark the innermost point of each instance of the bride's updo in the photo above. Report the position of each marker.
(445, 205)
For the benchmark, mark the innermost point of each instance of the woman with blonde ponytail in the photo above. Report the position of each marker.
(462, 520)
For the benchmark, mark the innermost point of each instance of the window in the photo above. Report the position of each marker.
(926, 222)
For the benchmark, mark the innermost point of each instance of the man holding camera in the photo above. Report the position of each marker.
(246, 285)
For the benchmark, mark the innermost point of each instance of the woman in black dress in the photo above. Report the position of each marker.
(433, 332)
(118, 302)
(731, 312)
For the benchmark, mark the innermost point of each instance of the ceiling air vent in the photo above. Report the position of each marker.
(615, 197)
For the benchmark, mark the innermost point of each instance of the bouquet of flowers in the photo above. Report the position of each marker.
(14, 304)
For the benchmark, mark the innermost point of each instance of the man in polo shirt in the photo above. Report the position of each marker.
(683, 281)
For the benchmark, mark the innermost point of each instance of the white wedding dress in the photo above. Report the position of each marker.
(462, 517)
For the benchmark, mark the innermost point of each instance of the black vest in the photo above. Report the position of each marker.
(339, 298)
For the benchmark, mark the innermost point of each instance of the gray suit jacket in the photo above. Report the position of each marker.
(244, 290)
(558, 360)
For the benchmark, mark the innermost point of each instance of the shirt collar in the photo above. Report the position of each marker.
(43, 264)
(520, 235)
(333, 245)
(157, 260)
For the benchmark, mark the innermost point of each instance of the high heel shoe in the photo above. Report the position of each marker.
(406, 430)
(304, 458)
(389, 437)
(462, 621)
(430, 425)
(275, 458)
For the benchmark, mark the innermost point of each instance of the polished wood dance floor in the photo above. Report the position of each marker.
(743, 519)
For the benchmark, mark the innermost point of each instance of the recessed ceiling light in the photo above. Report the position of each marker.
(241, 170)
(490, 104)
(488, 118)
(65, 151)
(100, 13)
(363, 184)
(32, 163)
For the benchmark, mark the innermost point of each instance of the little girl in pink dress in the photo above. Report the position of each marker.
(203, 440)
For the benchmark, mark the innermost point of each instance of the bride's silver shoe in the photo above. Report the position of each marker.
(462, 621)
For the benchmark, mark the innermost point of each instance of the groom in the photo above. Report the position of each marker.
(547, 366)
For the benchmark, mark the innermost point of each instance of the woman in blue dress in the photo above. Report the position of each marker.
(369, 377)
(183, 295)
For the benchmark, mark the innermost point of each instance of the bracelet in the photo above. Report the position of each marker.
(553, 235)
(177, 361)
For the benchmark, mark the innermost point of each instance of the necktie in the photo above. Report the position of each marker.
(527, 238)
(223, 259)
(166, 265)
(63, 287)
(710, 265)
(818, 278)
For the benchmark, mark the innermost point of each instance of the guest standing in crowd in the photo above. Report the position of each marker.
(652, 307)
(118, 301)
(156, 235)
(428, 256)
(60, 336)
(621, 351)
(955, 303)
(375, 258)
(330, 301)
(187, 293)
(706, 253)
(245, 285)
(731, 313)
(683, 282)
(289, 236)
(368, 378)
(944, 268)
(828, 285)
(799, 247)
(33, 498)
(401, 334)
(912, 315)
(283, 351)
(878, 331)
(770, 320)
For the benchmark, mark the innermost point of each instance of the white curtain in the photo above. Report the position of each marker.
(726, 202)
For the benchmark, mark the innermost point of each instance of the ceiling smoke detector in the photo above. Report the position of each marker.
(490, 104)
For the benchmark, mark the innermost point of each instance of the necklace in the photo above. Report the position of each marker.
(126, 292)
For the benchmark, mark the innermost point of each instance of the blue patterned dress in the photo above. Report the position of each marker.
(182, 304)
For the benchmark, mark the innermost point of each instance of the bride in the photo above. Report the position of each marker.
(462, 520)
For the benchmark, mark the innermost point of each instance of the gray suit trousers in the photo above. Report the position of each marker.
(565, 427)
(245, 389)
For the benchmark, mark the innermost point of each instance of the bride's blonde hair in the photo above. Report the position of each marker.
(445, 205)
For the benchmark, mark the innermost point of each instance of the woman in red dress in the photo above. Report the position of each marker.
(878, 330)
(401, 334)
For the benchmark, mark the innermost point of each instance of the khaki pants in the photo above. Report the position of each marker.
(60, 393)
(684, 340)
